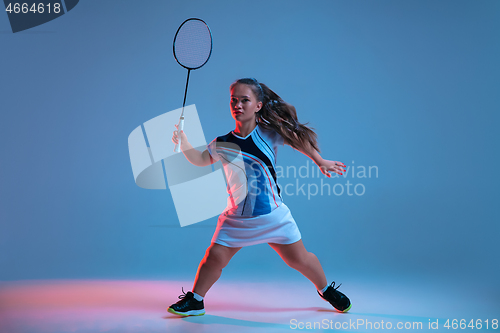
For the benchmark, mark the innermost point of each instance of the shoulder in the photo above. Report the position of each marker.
(262, 131)
(224, 138)
(221, 143)
(215, 143)
(270, 135)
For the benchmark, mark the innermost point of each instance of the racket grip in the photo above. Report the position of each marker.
(180, 128)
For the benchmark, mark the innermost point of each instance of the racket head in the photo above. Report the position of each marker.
(192, 44)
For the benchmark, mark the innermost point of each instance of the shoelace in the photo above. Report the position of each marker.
(183, 294)
(333, 285)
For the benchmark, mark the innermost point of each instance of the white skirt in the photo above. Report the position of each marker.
(276, 227)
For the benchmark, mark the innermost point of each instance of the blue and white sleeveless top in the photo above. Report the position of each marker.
(250, 168)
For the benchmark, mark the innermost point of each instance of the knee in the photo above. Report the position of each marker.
(299, 262)
(215, 259)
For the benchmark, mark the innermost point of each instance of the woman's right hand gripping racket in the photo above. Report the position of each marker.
(192, 49)
(179, 136)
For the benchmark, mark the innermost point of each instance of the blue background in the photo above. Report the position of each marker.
(411, 87)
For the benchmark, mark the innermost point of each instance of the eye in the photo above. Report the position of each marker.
(245, 100)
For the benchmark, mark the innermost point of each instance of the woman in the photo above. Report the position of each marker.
(255, 212)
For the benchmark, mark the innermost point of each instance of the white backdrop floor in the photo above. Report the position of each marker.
(53, 306)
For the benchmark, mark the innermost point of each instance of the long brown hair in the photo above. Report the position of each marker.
(280, 116)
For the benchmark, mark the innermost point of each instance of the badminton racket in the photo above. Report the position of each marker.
(192, 49)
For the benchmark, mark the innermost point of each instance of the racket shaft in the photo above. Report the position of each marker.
(181, 120)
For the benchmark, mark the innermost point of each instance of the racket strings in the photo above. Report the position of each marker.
(193, 44)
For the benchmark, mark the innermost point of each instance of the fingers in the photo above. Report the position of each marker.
(333, 166)
(339, 170)
(325, 170)
(339, 167)
(176, 135)
(340, 164)
(177, 130)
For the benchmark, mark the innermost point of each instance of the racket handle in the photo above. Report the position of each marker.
(180, 128)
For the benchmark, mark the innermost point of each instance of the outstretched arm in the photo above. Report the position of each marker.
(325, 165)
(194, 156)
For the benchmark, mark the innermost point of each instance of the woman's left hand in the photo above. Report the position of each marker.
(335, 166)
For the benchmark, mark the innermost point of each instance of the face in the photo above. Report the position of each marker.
(244, 103)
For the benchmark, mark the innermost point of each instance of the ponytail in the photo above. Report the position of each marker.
(281, 117)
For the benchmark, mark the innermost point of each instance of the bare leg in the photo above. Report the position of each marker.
(296, 256)
(216, 258)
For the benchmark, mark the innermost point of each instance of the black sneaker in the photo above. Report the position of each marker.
(187, 306)
(339, 301)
